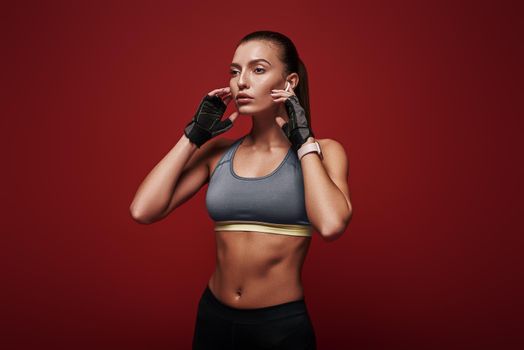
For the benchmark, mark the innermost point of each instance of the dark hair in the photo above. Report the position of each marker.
(292, 63)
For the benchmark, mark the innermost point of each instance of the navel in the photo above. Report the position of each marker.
(238, 293)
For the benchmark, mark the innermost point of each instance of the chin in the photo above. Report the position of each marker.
(250, 109)
(247, 108)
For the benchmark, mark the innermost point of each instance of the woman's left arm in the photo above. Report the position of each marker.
(326, 191)
(328, 203)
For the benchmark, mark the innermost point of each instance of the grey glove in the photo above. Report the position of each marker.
(297, 128)
(206, 122)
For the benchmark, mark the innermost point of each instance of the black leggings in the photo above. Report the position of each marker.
(283, 326)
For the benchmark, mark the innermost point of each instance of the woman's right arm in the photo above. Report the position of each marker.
(184, 170)
(175, 179)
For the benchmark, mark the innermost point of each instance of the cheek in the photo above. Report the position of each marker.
(266, 103)
(266, 84)
(264, 99)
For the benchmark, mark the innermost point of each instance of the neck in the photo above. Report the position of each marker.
(266, 133)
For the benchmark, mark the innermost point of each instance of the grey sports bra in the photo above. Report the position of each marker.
(273, 203)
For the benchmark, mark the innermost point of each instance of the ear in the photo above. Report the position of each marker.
(294, 79)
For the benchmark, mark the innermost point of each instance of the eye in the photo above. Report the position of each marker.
(233, 72)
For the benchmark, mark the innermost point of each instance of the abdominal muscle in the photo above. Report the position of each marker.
(258, 269)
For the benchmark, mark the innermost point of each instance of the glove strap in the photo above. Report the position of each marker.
(297, 136)
(196, 134)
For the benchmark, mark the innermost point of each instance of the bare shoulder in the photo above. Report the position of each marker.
(336, 164)
(327, 142)
(332, 148)
(335, 156)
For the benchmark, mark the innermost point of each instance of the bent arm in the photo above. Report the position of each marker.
(328, 202)
(154, 195)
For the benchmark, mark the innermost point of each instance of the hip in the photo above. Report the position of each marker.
(256, 292)
(281, 326)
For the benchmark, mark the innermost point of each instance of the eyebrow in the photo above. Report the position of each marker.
(250, 62)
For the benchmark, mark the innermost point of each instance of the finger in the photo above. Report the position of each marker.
(281, 92)
(281, 98)
(222, 95)
(280, 121)
(233, 116)
(225, 90)
(288, 90)
(220, 91)
(228, 98)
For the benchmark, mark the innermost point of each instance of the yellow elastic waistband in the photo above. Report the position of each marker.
(280, 229)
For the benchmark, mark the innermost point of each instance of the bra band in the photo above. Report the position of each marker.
(279, 229)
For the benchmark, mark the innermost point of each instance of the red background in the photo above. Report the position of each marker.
(422, 94)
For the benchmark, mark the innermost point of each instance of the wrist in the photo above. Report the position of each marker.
(311, 145)
(310, 139)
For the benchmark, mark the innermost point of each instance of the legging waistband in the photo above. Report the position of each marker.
(254, 315)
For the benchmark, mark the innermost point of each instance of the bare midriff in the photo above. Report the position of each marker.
(258, 269)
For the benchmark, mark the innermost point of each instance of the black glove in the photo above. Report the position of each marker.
(206, 123)
(297, 128)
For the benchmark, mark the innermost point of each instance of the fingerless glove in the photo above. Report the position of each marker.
(206, 122)
(296, 129)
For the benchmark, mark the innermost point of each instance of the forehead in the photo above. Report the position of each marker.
(255, 49)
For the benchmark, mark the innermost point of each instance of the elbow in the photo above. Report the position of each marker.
(139, 217)
(331, 233)
(334, 230)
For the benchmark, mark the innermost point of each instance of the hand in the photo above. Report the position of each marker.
(206, 122)
(295, 124)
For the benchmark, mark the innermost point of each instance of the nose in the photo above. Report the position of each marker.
(242, 81)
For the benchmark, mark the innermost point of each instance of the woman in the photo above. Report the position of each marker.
(267, 191)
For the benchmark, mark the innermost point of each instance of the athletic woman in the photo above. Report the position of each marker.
(267, 191)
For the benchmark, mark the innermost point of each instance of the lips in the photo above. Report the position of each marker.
(244, 100)
(243, 95)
